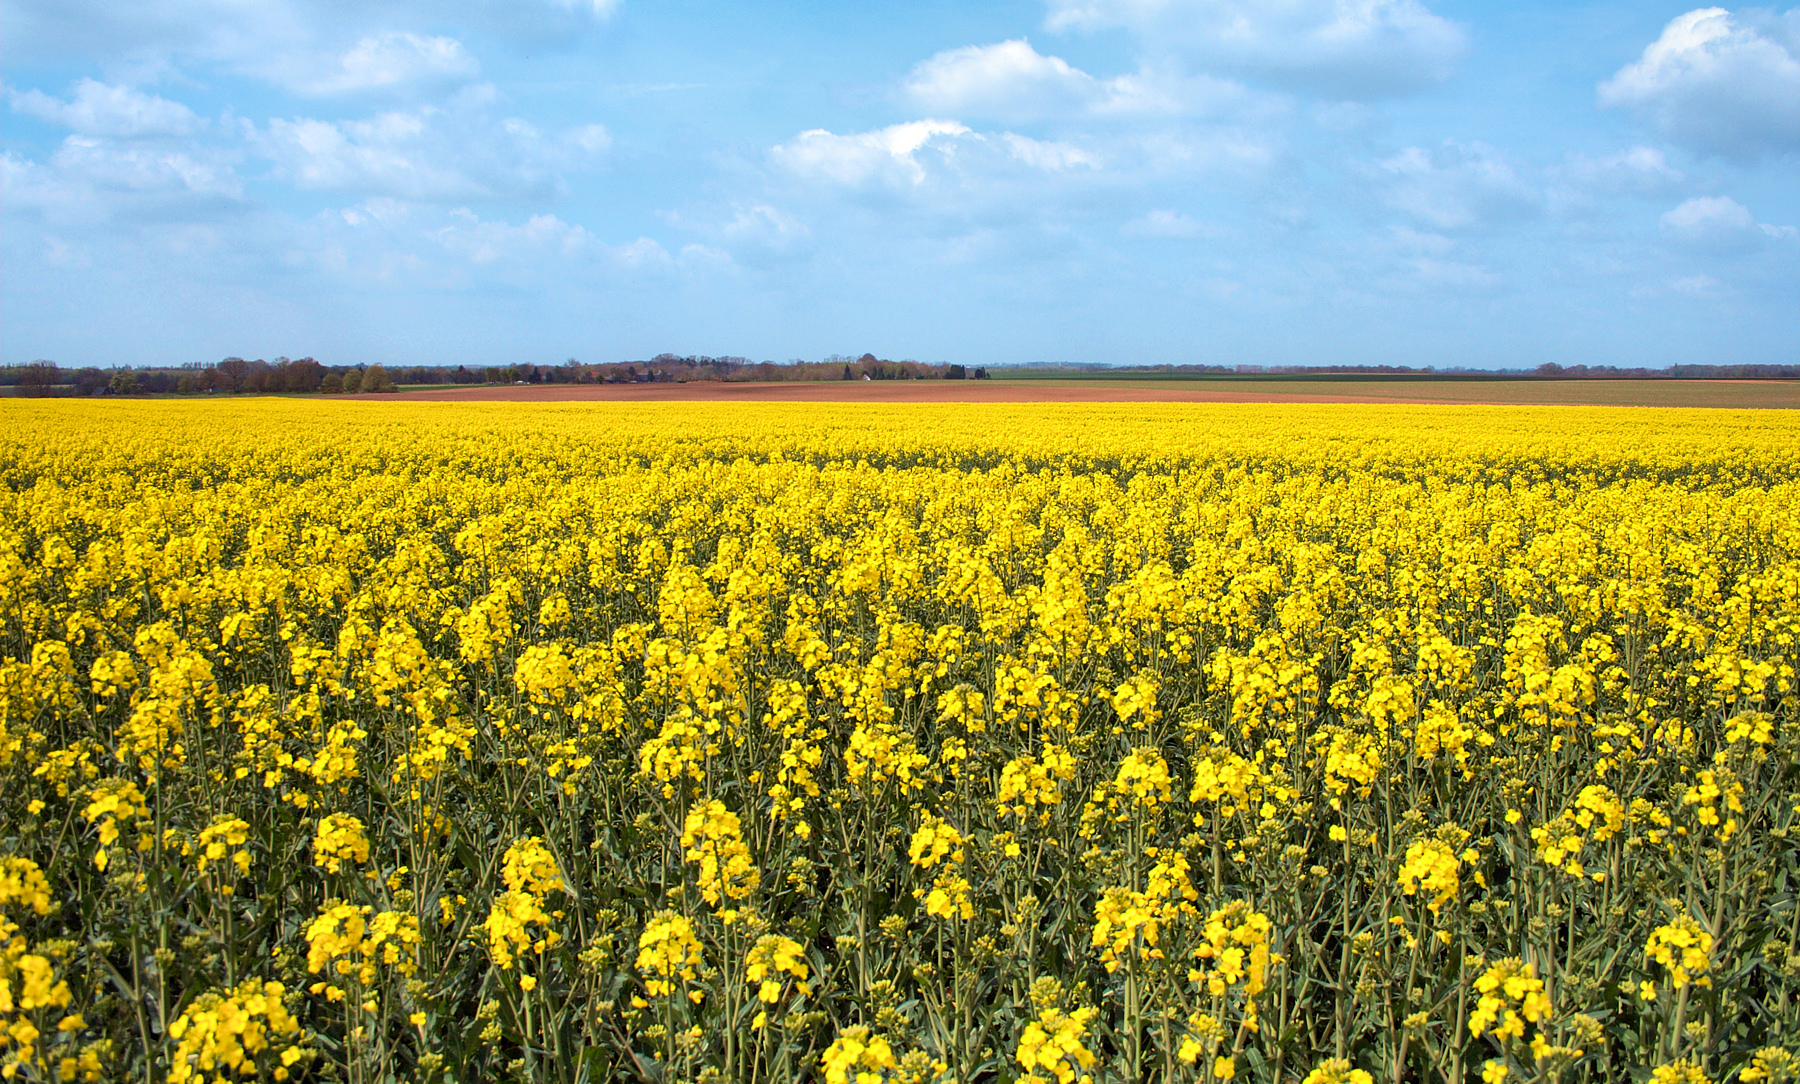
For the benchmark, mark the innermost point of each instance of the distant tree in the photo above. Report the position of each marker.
(235, 370)
(304, 374)
(188, 384)
(956, 372)
(124, 382)
(848, 375)
(333, 384)
(353, 381)
(981, 373)
(38, 378)
(375, 378)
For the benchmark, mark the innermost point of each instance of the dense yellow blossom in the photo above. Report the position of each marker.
(712, 837)
(1053, 1047)
(236, 1033)
(668, 953)
(1684, 948)
(1510, 995)
(692, 742)
(340, 839)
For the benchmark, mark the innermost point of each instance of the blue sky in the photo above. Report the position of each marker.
(1425, 182)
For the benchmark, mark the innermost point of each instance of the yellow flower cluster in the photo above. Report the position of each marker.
(238, 1032)
(1028, 782)
(1510, 996)
(1430, 868)
(668, 953)
(1054, 1047)
(1338, 1071)
(712, 836)
(340, 839)
(357, 940)
(111, 802)
(530, 873)
(1234, 951)
(772, 956)
(1684, 949)
(938, 843)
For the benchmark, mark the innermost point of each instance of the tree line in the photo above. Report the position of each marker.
(236, 375)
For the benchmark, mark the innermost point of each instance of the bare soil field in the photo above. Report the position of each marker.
(1664, 393)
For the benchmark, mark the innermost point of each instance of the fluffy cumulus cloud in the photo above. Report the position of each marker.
(1348, 49)
(282, 40)
(1719, 224)
(905, 156)
(1165, 223)
(90, 182)
(388, 240)
(1458, 186)
(97, 109)
(1638, 171)
(387, 61)
(888, 154)
(1720, 82)
(430, 154)
(1012, 81)
(1009, 79)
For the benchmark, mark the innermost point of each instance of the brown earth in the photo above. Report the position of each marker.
(1672, 393)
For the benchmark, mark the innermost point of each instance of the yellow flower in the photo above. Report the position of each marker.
(244, 1030)
(771, 956)
(857, 1056)
(1338, 1071)
(1510, 995)
(1684, 947)
(1053, 1047)
(1431, 866)
(340, 839)
(1680, 1072)
(712, 837)
(668, 952)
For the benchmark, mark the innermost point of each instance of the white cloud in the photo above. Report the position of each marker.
(1164, 223)
(1451, 273)
(97, 109)
(1696, 286)
(1013, 81)
(390, 240)
(1048, 156)
(764, 227)
(1009, 79)
(87, 181)
(426, 154)
(906, 155)
(592, 138)
(476, 241)
(294, 43)
(888, 154)
(386, 154)
(1639, 171)
(1333, 48)
(1457, 185)
(1722, 83)
(388, 61)
(1718, 224)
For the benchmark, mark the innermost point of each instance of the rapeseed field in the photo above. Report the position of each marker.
(679, 742)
